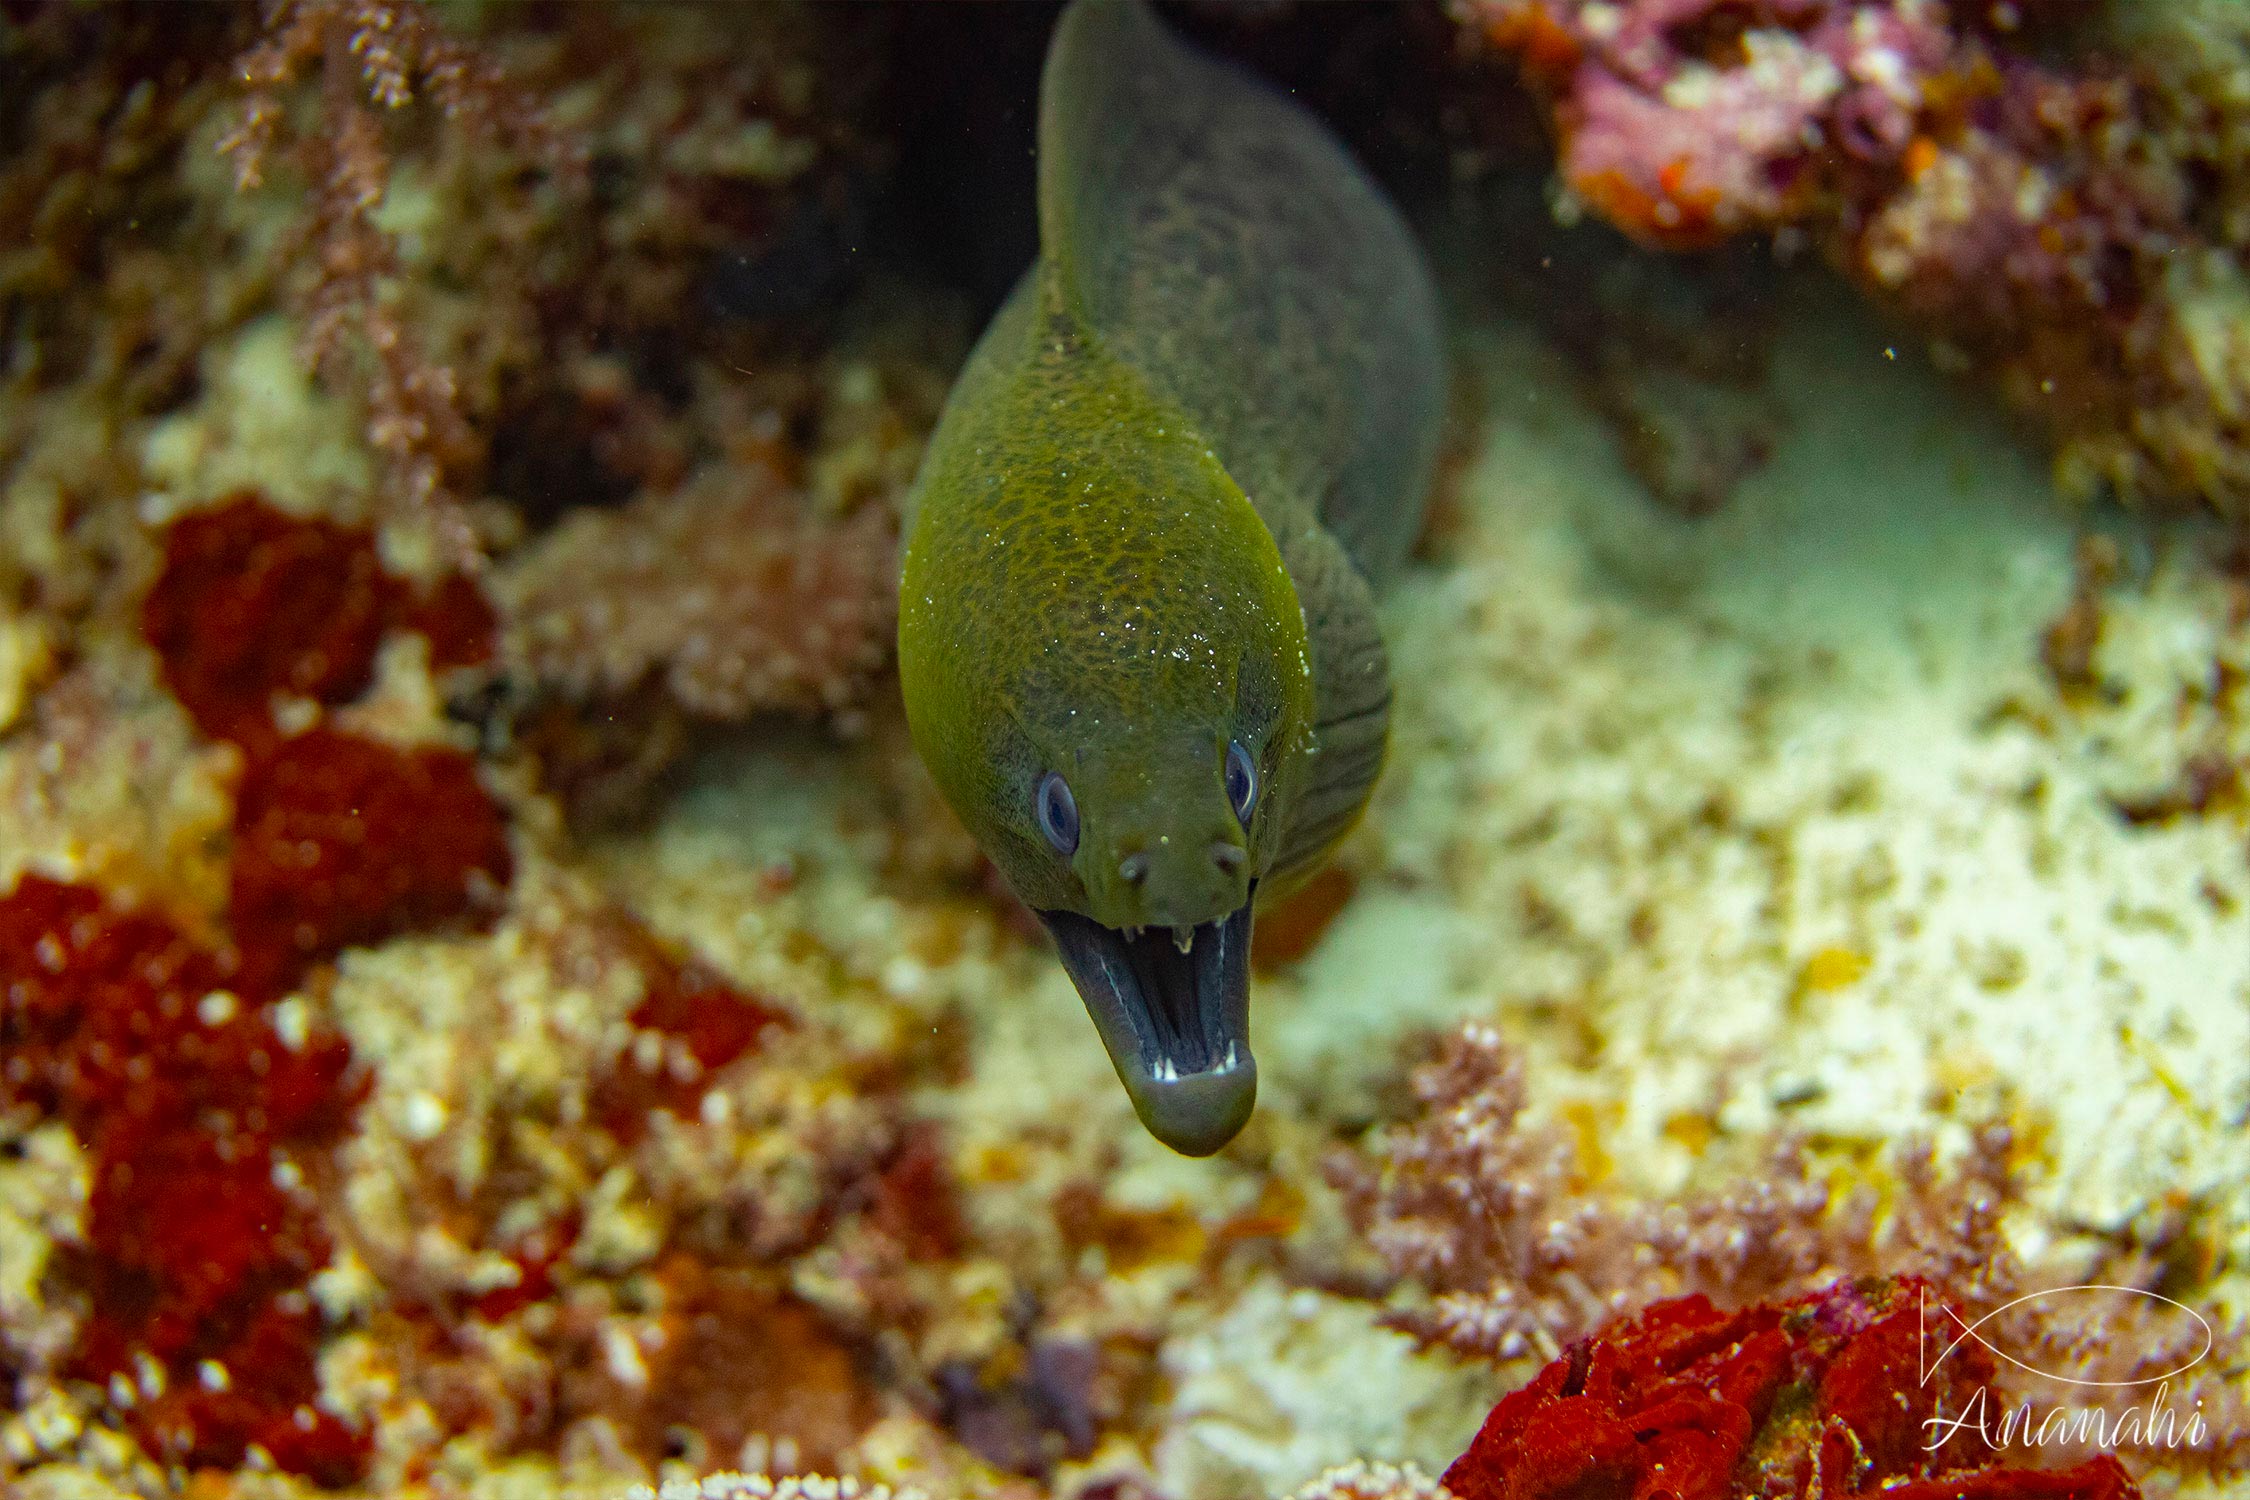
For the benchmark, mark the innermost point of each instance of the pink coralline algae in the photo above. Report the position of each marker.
(1687, 121)
(2069, 231)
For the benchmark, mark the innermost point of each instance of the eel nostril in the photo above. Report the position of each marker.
(1133, 868)
(1228, 857)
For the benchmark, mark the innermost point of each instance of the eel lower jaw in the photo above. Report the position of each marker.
(1175, 1016)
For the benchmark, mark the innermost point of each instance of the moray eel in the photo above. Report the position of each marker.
(1137, 639)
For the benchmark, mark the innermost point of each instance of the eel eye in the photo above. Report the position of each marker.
(1242, 782)
(1057, 812)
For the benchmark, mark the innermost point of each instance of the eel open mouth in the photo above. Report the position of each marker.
(1175, 1016)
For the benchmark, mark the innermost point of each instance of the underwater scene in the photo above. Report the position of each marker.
(1125, 750)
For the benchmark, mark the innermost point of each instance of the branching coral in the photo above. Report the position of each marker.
(688, 176)
(2064, 231)
(377, 55)
(762, 582)
(617, 320)
(397, 49)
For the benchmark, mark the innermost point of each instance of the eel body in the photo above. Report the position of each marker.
(1136, 630)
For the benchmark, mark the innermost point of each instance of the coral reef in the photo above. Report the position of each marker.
(340, 840)
(252, 603)
(1354, 1481)
(644, 294)
(1686, 122)
(195, 1079)
(96, 120)
(761, 583)
(2062, 228)
(428, 431)
(1836, 1392)
(685, 1006)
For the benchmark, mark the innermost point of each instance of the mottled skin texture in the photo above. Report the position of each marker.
(1147, 521)
(1114, 610)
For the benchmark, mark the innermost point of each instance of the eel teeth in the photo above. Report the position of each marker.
(1183, 938)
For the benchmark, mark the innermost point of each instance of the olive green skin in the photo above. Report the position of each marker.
(1113, 610)
(1147, 522)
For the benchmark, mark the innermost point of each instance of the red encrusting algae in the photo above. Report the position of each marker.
(341, 840)
(685, 1002)
(1829, 1394)
(916, 1200)
(190, 1103)
(253, 603)
(458, 621)
(338, 839)
(535, 1257)
(192, 1091)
